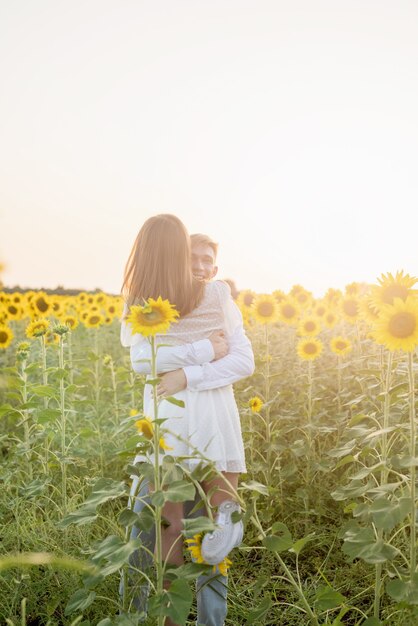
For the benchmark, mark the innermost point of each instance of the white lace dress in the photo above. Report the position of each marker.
(208, 427)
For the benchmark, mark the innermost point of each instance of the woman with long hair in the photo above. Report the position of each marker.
(208, 426)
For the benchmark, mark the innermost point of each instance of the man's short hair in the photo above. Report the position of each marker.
(198, 239)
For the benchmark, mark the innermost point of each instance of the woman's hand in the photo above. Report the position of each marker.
(219, 343)
(171, 383)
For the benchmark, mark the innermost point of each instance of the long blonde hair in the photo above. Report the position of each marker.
(160, 265)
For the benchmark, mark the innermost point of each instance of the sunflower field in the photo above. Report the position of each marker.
(329, 500)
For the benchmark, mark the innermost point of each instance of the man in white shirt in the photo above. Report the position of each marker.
(205, 364)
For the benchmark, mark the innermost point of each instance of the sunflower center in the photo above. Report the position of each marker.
(3, 337)
(310, 326)
(310, 348)
(350, 307)
(394, 291)
(402, 325)
(248, 299)
(320, 310)
(152, 318)
(266, 309)
(340, 345)
(288, 311)
(12, 309)
(95, 319)
(42, 305)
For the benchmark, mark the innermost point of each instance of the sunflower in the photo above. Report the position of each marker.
(309, 327)
(397, 326)
(6, 336)
(41, 304)
(350, 308)
(51, 339)
(194, 547)
(93, 320)
(145, 427)
(330, 319)
(353, 289)
(14, 311)
(163, 445)
(57, 306)
(279, 295)
(265, 309)
(333, 295)
(368, 310)
(245, 298)
(70, 320)
(155, 316)
(320, 309)
(340, 345)
(296, 289)
(309, 349)
(391, 287)
(255, 404)
(37, 328)
(303, 298)
(288, 311)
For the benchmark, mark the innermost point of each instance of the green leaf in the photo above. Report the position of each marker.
(327, 598)
(113, 552)
(106, 489)
(83, 515)
(256, 486)
(175, 602)
(277, 544)
(47, 415)
(301, 543)
(179, 491)
(127, 518)
(79, 601)
(175, 401)
(404, 590)
(44, 391)
(387, 514)
(197, 525)
(362, 543)
(345, 461)
(354, 489)
(372, 621)
(259, 612)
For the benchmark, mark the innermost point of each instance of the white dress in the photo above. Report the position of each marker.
(208, 427)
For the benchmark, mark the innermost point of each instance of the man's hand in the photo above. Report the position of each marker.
(171, 383)
(219, 343)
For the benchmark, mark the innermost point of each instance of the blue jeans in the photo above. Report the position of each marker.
(211, 590)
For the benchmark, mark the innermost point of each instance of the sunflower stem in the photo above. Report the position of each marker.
(63, 428)
(26, 430)
(412, 468)
(115, 392)
(157, 481)
(383, 479)
(267, 398)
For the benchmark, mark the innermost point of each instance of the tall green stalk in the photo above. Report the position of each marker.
(267, 400)
(383, 478)
(412, 468)
(157, 479)
(63, 427)
(25, 415)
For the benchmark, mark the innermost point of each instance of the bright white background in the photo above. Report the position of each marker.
(286, 130)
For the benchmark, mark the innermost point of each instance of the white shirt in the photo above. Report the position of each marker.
(196, 360)
(217, 310)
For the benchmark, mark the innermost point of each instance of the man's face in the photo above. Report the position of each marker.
(203, 262)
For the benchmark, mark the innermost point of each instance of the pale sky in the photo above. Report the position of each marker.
(286, 130)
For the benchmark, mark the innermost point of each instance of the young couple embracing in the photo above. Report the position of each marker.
(204, 353)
